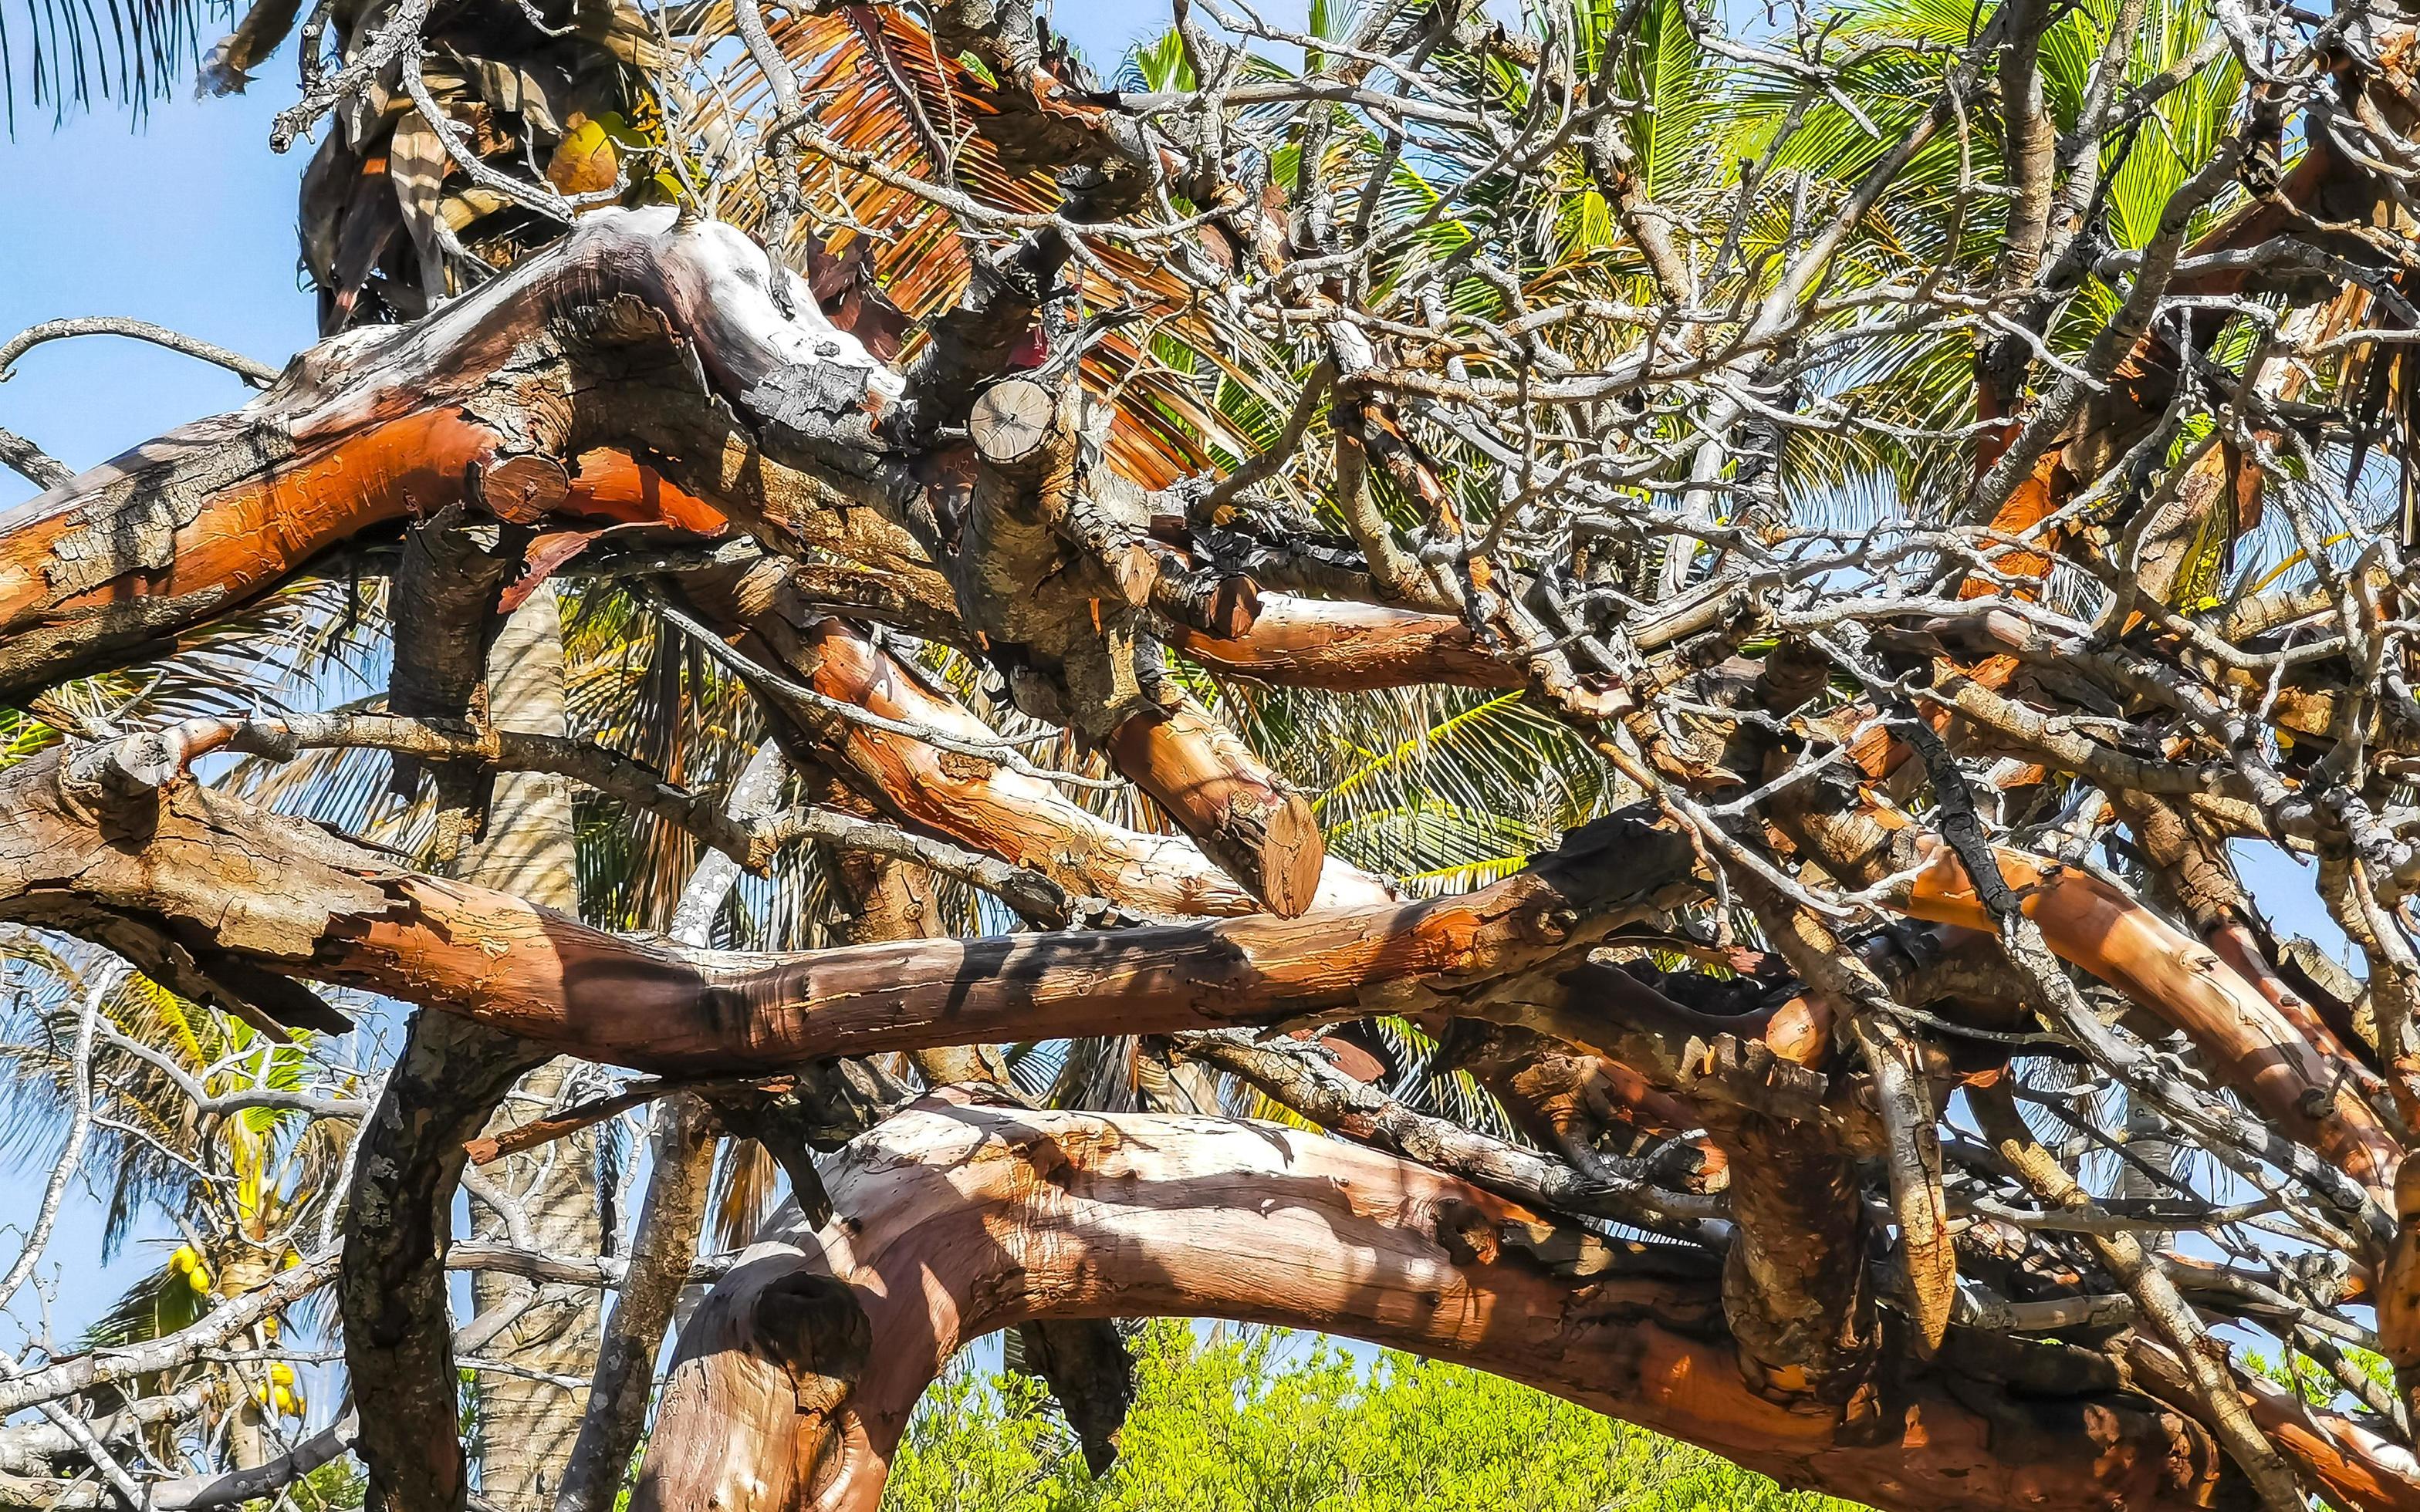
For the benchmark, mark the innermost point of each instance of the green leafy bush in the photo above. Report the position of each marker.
(1261, 1420)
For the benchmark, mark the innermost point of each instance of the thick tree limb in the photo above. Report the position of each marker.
(750, 843)
(453, 1074)
(664, 1244)
(315, 906)
(1024, 821)
(2088, 922)
(370, 427)
(954, 1221)
(1347, 647)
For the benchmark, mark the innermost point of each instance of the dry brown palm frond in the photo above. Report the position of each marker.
(879, 84)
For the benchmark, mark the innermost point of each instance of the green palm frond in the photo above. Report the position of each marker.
(158, 1303)
(1440, 788)
(261, 1171)
(2183, 130)
(68, 54)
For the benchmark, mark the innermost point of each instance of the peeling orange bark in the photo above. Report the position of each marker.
(1349, 648)
(103, 560)
(2355, 1465)
(1254, 825)
(309, 906)
(1021, 819)
(247, 536)
(2092, 925)
(2035, 500)
(477, 405)
(2235, 944)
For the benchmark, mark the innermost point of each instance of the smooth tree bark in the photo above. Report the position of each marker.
(316, 905)
(953, 1220)
(639, 335)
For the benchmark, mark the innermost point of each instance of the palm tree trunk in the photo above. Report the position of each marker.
(450, 1078)
(527, 1425)
(666, 1240)
(249, 1441)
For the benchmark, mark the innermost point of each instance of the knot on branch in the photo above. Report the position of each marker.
(1747, 1074)
(813, 1328)
(101, 775)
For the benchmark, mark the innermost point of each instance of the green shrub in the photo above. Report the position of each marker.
(1259, 1420)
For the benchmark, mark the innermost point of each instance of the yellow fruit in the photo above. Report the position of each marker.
(260, 1394)
(584, 160)
(293, 1258)
(284, 1401)
(282, 1373)
(199, 1279)
(184, 1260)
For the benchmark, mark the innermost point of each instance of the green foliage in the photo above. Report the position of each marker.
(335, 1486)
(2313, 1384)
(1261, 1420)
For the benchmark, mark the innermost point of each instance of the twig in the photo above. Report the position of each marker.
(260, 375)
(31, 462)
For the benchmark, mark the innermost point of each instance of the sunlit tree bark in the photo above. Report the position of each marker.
(1377, 637)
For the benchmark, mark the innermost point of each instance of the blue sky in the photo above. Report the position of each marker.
(187, 221)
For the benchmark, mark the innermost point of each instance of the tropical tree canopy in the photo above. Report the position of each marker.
(1651, 696)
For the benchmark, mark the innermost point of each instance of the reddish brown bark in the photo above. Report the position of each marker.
(315, 908)
(73, 594)
(361, 432)
(1021, 819)
(1568, 1102)
(2094, 926)
(1348, 647)
(951, 1222)
(310, 905)
(529, 404)
(1258, 828)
